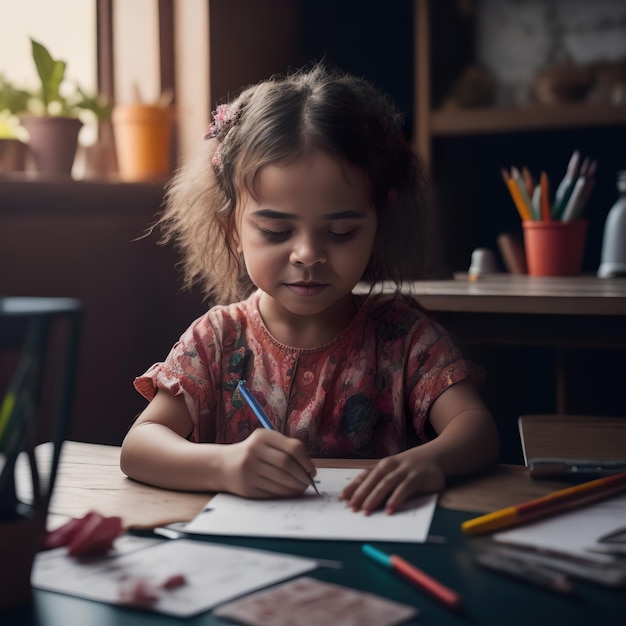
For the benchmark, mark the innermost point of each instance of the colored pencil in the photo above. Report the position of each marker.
(528, 180)
(566, 186)
(552, 504)
(521, 185)
(523, 211)
(544, 198)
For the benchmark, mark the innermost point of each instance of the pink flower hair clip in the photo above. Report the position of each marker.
(216, 159)
(221, 119)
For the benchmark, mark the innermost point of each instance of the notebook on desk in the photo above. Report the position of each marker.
(573, 446)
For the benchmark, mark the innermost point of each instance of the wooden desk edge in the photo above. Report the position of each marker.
(89, 478)
(506, 293)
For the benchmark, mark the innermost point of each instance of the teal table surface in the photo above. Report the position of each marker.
(489, 598)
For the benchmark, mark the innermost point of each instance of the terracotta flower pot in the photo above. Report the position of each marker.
(143, 135)
(52, 143)
(12, 155)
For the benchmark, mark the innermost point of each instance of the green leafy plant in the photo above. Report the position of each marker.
(51, 74)
(12, 102)
(54, 97)
(52, 101)
(96, 104)
(12, 99)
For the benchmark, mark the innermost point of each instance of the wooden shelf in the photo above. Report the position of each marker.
(24, 195)
(536, 117)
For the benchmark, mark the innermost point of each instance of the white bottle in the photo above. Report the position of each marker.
(613, 263)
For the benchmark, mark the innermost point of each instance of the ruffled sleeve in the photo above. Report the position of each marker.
(190, 369)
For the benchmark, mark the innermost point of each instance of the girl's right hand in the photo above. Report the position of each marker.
(267, 464)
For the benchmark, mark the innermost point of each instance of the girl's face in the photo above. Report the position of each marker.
(308, 238)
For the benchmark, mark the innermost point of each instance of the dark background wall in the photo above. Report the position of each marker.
(85, 240)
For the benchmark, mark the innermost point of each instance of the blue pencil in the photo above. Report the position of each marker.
(254, 405)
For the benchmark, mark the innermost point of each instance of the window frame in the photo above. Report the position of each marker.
(105, 51)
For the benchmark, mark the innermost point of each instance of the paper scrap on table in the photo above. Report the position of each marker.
(310, 602)
(571, 532)
(313, 517)
(614, 542)
(213, 573)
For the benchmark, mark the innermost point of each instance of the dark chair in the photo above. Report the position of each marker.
(43, 334)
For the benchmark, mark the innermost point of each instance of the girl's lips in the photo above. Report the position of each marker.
(305, 289)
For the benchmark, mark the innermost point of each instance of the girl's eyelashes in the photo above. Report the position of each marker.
(339, 237)
(280, 236)
(275, 236)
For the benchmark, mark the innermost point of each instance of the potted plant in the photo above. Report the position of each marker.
(52, 118)
(12, 135)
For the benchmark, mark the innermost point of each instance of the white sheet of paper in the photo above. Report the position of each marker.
(313, 517)
(572, 532)
(213, 573)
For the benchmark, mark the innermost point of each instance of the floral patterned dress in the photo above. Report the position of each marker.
(365, 394)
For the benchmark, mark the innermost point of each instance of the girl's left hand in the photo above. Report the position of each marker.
(391, 482)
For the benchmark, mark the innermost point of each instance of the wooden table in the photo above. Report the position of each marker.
(510, 294)
(89, 477)
(506, 309)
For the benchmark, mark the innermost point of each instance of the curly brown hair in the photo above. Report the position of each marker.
(277, 122)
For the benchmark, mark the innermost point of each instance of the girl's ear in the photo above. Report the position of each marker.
(236, 237)
(237, 241)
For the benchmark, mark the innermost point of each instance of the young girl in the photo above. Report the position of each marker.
(306, 186)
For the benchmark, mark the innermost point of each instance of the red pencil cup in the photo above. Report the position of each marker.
(554, 248)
